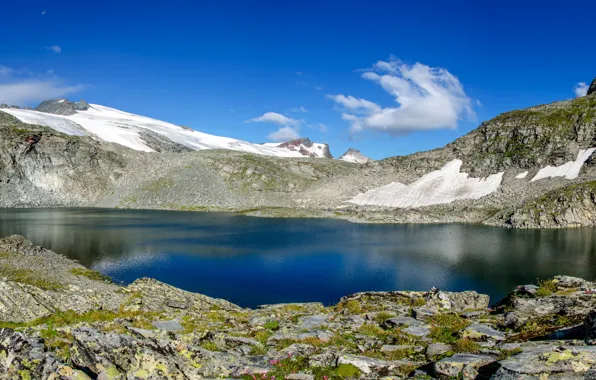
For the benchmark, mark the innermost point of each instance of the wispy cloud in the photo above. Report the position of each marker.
(17, 88)
(284, 134)
(5, 71)
(55, 48)
(298, 109)
(581, 89)
(43, 13)
(428, 98)
(319, 127)
(275, 118)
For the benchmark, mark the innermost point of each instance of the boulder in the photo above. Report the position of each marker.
(464, 366)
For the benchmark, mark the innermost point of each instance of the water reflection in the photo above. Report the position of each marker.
(253, 260)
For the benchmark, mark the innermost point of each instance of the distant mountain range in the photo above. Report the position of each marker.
(529, 168)
(146, 134)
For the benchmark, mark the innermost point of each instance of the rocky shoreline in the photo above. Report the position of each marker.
(60, 320)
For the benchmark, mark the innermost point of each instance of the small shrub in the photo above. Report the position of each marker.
(465, 345)
(445, 327)
(546, 288)
(352, 306)
(382, 317)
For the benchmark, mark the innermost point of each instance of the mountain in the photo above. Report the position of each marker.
(141, 133)
(305, 147)
(354, 155)
(529, 168)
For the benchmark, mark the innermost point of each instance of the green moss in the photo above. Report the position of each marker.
(68, 318)
(271, 325)
(90, 274)
(211, 346)
(57, 342)
(347, 370)
(29, 277)
(262, 336)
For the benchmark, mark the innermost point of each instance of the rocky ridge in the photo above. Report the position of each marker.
(62, 106)
(60, 320)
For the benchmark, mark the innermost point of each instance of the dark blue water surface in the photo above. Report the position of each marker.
(252, 261)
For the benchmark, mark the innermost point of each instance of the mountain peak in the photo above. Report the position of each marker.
(354, 155)
(62, 106)
(592, 89)
(307, 148)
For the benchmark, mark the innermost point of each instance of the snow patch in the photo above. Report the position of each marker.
(438, 187)
(522, 175)
(569, 170)
(123, 128)
(350, 158)
(57, 122)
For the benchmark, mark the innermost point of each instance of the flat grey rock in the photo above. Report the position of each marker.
(172, 325)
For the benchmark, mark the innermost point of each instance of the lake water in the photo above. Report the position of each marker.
(252, 261)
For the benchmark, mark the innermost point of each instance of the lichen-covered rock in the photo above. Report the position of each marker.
(158, 296)
(154, 331)
(552, 362)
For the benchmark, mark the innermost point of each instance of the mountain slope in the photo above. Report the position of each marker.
(514, 157)
(138, 132)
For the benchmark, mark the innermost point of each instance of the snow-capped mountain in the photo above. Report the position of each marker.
(354, 155)
(147, 134)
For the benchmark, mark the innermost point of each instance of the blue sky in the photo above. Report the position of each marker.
(444, 66)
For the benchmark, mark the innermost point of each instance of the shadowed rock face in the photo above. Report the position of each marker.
(62, 106)
(592, 88)
(40, 166)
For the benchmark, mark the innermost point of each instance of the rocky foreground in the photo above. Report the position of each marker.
(63, 321)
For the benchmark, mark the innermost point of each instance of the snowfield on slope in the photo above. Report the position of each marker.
(438, 187)
(123, 128)
(569, 170)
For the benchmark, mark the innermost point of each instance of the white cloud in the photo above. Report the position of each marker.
(275, 118)
(581, 89)
(284, 134)
(5, 71)
(43, 13)
(299, 109)
(25, 90)
(356, 105)
(55, 48)
(428, 98)
(299, 73)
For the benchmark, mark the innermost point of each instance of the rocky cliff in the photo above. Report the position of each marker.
(42, 167)
(59, 320)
